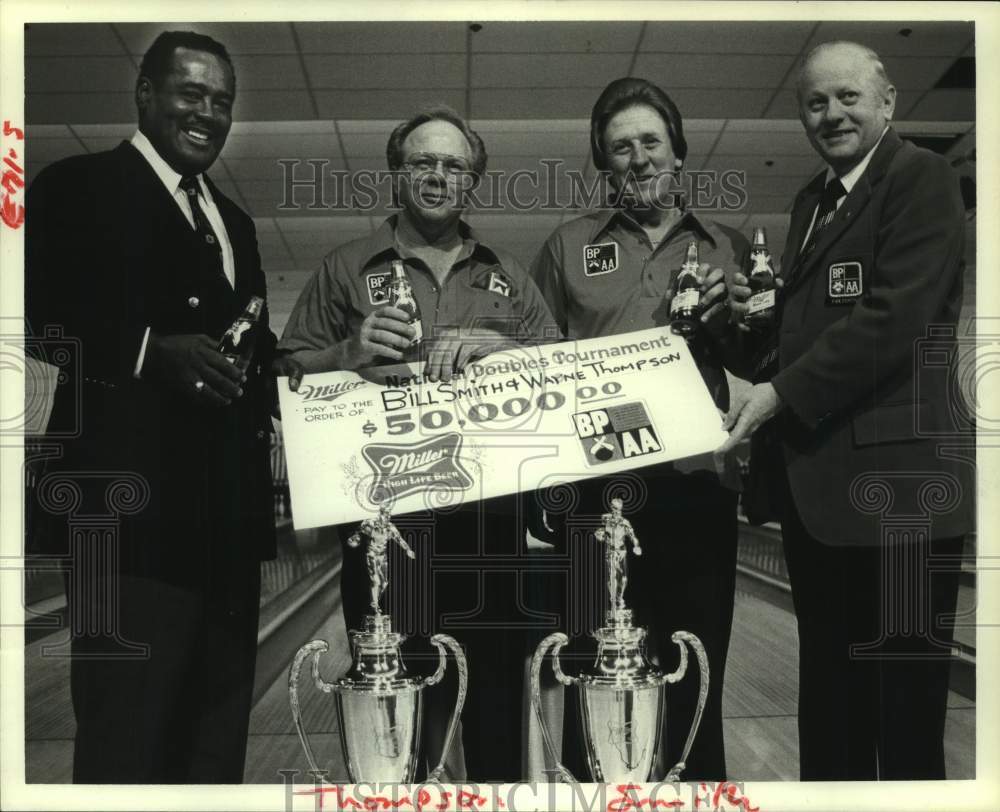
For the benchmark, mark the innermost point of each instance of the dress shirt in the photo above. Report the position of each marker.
(172, 180)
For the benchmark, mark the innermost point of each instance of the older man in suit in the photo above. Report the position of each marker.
(139, 256)
(870, 505)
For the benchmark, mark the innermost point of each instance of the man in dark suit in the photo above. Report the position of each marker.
(138, 255)
(871, 506)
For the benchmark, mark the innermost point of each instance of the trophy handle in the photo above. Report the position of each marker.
(680, 638)
(313, 649)
(554, 641)
(441, 641)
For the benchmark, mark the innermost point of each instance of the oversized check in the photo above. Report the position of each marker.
(517, 420)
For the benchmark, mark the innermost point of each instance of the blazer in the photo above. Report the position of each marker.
(108, 253)
(866, 433)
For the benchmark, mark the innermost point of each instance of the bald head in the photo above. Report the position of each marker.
(864, 58)
(845, 102)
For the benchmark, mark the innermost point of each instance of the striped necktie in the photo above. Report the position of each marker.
(204, 228)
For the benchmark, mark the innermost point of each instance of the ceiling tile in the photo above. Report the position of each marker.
(384, 38)
(86, 74)
(79, 108)
(548, 37)
(548, 70)
(268, 105)
(957, 105)
(269, 168)
(798, 165)
(384, 104)
(743, 141)
(267, 72)
(67, 39)
(673, 71)
(33, 131)
(908, 73)
(239, 38)
(710, 102)
(720, 37)
(925, 39)
(538, 104)
(388, 71)
(290, 146)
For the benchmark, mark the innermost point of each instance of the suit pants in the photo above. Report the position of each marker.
(874, 657)
(164, 695)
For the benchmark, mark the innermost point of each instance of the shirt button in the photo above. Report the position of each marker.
(210, 239)
(194, 301)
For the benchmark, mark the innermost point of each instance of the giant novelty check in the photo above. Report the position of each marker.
(517, 420)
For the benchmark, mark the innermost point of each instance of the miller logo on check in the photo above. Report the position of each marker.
(617, 432)
(404, 468)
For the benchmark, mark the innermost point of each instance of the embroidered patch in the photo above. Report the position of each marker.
(499, 284)
(600, 259)
(844, 280)
(378, 287)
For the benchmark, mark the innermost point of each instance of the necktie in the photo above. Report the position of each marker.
(204, 228)
(824, 214)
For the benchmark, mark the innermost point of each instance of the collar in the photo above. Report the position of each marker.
(384, 240)
(687, 220)
(168, 177)
(851, 178)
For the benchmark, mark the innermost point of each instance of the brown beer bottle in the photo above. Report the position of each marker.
(238, 341)
(401, 296)
(685, 306)
(760, 305)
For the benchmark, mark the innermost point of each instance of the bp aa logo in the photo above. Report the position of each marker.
(378, 287)
(844, 280)
(615, 433)
(600, 259)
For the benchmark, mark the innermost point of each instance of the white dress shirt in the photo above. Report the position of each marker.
(848, 181)
(172, 181)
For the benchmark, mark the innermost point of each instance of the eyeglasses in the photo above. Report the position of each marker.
(427, 162)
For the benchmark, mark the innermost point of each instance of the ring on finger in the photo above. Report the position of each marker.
(199, 385)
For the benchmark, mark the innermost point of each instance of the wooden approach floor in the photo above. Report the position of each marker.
(758, 706)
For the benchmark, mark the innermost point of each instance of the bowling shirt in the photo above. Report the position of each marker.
(485, 288)
(601, 276)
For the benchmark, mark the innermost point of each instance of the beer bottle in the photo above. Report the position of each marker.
(238, 341)
(685, 306)
(760, 305)
(401, 296)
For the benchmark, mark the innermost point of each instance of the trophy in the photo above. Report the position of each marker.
(379, 707)
(622, 694)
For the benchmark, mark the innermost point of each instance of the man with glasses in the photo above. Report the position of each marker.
(474, 299)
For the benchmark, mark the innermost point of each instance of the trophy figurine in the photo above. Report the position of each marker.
(379, 707)
(621, 694)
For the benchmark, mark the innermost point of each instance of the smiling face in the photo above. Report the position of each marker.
(640, 156)
(844, 104)
(187, 118)
(438, 159)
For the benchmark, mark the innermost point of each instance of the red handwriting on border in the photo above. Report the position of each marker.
(11, 211)
(424, 800)
(728, 792)
(626, 801)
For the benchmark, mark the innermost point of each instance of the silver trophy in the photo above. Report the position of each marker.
(622, 694)
(379, 707)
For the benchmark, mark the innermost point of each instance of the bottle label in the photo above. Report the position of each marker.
(760, 301)
(418, 332)
(685, 300)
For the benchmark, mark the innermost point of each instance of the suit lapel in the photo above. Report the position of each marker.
(853, 204)
(802, 211)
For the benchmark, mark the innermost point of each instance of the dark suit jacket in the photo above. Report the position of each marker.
(108, 253)
(860, 400)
